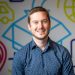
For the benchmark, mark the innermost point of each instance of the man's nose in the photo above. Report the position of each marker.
(40, 24)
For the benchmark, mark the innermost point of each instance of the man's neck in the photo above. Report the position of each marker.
(41, 43)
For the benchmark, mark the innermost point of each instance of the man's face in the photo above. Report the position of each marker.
(39, 25)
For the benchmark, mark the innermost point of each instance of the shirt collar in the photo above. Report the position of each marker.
(49, 44)
(33, 44)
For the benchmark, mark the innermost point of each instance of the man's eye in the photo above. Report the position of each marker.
(36, 22)
(45, 21)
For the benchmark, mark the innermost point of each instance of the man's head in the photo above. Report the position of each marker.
(38, 9)
(39, 23)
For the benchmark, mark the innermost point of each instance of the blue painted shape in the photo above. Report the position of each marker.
(42, 3)
(71, 47)
(60, 23)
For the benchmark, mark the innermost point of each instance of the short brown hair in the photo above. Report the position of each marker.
(37, 9)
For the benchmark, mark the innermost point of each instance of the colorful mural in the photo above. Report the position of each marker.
(16, 34)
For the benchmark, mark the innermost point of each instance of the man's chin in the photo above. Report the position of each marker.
(40, 38)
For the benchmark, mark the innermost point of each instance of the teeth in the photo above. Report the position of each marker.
(41, 31)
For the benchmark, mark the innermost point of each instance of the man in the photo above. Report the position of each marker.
(41, 56)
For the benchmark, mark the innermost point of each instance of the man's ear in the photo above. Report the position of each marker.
(29, 26)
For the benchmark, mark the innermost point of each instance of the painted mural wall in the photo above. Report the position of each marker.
(14, 32)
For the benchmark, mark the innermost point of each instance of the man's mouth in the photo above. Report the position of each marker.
(41, 31)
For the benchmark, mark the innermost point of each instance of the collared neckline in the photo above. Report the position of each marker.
(33, 44)
(49, 44)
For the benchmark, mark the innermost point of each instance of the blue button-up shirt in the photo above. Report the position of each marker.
(31, 60)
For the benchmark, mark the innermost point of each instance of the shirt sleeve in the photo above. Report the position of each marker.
(18, 64)
(67, 68)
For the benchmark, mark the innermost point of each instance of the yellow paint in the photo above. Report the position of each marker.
(9, 72)
(58, 3)
(5, 10)
(71, 8)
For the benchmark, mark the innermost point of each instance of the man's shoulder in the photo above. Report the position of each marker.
(26, 47)
(23, 50)
(58, 47)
